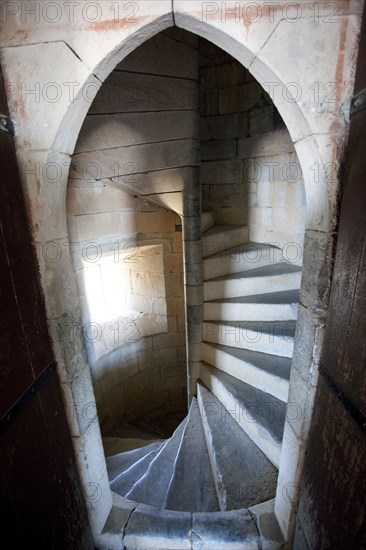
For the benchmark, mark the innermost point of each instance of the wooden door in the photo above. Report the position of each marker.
(332, 512)
(41, 499)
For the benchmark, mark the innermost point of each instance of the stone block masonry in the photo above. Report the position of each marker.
(135, 153)
(249, 169)
(86, 52)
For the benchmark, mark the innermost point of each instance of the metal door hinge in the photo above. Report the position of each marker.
(6, 124)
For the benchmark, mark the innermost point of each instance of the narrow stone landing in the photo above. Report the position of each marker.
(193, 490)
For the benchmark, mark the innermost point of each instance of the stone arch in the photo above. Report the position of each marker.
(318, 204)
(75, 376)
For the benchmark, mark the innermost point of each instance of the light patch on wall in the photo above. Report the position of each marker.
(125, 297)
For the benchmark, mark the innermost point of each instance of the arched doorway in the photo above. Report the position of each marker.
(138, 151)
(57, 277)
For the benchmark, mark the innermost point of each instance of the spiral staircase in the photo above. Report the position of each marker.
(212, 483)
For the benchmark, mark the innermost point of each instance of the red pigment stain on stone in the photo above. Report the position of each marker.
(23, 35)
(340, 60)
(18, 108)
(251, 14)
(340, 68)
(115, 24)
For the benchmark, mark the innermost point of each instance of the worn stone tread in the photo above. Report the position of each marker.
(281, 297)
(240, 258)
(152, 487)
(125, 469)
(259, 414)
(243, 474)
(275, 306)
(264, 371)
(192, 485)
(273, 337)
(272, 278)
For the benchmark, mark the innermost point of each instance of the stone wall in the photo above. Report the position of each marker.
(85, 52)
(250, 173)
(135, 154)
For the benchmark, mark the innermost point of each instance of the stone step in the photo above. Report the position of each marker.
(268, 527)
(152, 487)
(259, 414)
(116, 445)
(241, 258)
(265, 372)
(232, 530)
(271, 278)
(223, 237)
(208, 221)
(150, 528)
(125, 469)
(192, 487)
(276, 306)
(243, 474)
(275, 338)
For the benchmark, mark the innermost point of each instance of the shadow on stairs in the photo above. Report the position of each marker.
(212, 483)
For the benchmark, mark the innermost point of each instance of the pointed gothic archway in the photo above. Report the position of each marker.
(316, 146)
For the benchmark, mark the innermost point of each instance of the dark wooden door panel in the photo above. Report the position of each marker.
(344, 353)
(41, 500)
(11, 337)
(332, 511)
(333, 506)
(20, 298)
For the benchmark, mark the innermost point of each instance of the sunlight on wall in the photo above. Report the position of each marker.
(126, 298)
